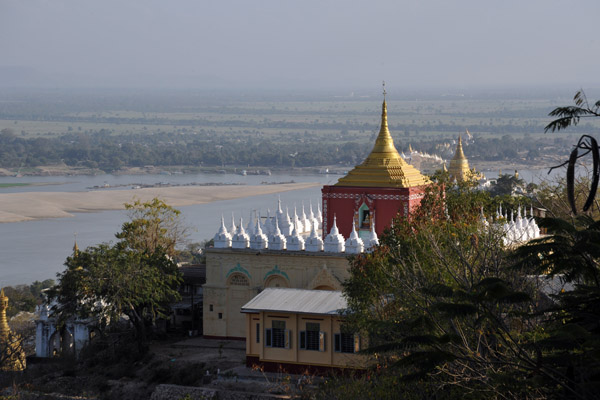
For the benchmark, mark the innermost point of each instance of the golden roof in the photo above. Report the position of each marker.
(384, 167)
(459, 165)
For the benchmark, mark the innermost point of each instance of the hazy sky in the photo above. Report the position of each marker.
(292, 44)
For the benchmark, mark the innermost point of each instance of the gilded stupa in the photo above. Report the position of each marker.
(384, 167)
(459, 165)
(12, 355)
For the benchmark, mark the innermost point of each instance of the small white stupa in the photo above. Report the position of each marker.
(240, 239)
(277, 241)
(354, 244)
(222, 239)
(295, 242)
(259, 240)
(314, 243)
(373, 239)
(334, 242)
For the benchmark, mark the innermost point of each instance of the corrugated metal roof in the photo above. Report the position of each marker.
(299, 301)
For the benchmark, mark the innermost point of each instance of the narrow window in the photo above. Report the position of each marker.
(210, 307)
(257, 333)
(278, 334)
(312, 336)
(220, 315)
(268, 337)
(346, 343)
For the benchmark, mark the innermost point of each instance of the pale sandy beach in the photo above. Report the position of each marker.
(16, 207)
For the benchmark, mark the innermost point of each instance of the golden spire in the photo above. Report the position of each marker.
(4, 328)
(12, 355)
(75, 247)
(459, 165)
(384, 167)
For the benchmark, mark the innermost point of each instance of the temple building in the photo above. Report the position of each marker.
(459, 165)
(12, 355)
(374, 192)
(307, 250)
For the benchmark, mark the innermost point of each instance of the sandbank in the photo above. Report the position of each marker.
(27, 206)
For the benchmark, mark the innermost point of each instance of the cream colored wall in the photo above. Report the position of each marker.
(298, 269)
(294, 355)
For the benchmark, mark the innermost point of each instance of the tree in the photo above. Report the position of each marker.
(135, 277)
(568, 116)
(448, 309)
(152, 224)
(440, 306)
(570, 344)
(506, 185)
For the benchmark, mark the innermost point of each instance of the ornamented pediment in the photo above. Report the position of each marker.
(325, 279)
(277, 271)
(240, 269)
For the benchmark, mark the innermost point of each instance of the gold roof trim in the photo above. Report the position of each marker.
(384, 167)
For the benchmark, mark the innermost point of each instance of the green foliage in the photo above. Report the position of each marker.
(134, 277)
(570, 115)
(506, 185)
(25, 297)
(153, 224)
(570, 346)
(447, 308)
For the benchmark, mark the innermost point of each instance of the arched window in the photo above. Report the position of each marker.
(276, 281)
(364, 217)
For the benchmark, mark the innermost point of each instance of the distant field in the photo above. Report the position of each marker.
(8, 185)
(357, 118)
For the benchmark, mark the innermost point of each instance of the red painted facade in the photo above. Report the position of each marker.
(383, 205)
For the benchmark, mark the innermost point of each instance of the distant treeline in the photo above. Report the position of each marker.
(101, 149)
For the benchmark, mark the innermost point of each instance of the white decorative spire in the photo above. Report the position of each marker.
(314, 242)
(285, 224)
(334, 242)
(306, 222)
(373, 239)
(240, 239)
(222, 239)
(320, 216)
(295, 242)
(252, 222)
(259, 240)
(233, 228)
(314, 221)
(297, 223)
(277, 241)
(354, 244)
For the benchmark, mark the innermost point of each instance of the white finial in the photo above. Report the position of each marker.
(354, 244)
(334, 242)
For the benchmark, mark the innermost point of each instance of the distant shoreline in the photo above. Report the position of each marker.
(29, 206)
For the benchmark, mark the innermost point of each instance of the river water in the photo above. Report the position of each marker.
(36, 250)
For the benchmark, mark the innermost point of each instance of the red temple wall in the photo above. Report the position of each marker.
(384, 203)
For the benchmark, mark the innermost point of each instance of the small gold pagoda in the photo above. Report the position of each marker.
(459, 165)
(384, 167)
(12, 355)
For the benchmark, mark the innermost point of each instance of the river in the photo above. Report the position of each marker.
(36, 250)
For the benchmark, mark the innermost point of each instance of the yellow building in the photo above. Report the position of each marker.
(12, 355)
(296, 330)
(235, 276)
